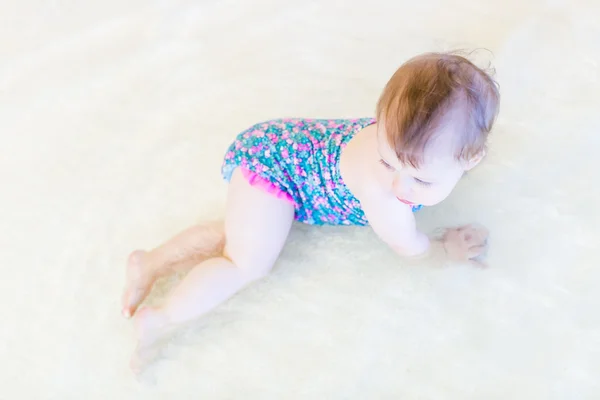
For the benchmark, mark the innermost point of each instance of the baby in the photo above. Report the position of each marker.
(432, 122)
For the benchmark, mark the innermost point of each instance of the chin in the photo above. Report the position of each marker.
(434, 202)
(428, 202)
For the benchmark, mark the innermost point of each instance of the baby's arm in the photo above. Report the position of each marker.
(395, 225)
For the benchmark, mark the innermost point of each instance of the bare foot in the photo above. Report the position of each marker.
(150, 326)
(138, 283)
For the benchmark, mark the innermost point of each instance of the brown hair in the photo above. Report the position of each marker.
(423, 91)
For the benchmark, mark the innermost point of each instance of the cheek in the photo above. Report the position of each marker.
(382, 178)
(429, 196)
(436, 194)
(385, 177)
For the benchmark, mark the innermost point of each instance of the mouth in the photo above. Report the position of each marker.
(405, 201)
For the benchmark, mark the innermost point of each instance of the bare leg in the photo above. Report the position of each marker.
(179, 254)
(256, 228)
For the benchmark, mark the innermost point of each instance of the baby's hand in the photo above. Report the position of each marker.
(466, 243)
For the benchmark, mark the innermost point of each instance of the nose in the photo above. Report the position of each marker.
(402, 185)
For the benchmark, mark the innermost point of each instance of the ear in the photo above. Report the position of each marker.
(475, 160)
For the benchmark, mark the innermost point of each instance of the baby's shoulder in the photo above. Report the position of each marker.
(356, 170)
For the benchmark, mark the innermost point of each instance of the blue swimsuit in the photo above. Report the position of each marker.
(299, 159)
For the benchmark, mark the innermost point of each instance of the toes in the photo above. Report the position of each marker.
(138, 360)
(135, 364)
(135, 286)
(127, 310)
(135, 258)
(142, 358)
(135, 296)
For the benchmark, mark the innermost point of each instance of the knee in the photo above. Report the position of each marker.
(253, 268)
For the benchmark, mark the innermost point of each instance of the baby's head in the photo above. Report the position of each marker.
(434, 117)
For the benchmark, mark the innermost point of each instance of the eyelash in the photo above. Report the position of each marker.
(389, 167)
(422, 183)
(386, 165)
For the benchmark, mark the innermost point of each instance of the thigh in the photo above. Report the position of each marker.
(257, 225)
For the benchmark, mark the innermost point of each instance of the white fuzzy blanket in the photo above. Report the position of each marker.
(115, 115)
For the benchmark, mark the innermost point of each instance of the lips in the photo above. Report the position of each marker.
(405, 201)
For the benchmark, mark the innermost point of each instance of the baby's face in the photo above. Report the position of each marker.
(428, 185)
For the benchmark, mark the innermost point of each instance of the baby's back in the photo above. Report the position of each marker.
(301, 158)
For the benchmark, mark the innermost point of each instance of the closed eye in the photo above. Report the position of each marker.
(386, 165)
(422, 183)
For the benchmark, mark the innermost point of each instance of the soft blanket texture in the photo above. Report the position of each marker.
(115, 116)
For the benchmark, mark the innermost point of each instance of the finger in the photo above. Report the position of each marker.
(475, 241)
(482, 232)
(477, 236)
(476, 251)
(439, 233)
(452, 235)
(478, 264)
(474, 228)
(464, 227)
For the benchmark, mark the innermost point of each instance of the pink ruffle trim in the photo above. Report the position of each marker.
(264, 184)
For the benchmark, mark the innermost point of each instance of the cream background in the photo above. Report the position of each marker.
(114, 118)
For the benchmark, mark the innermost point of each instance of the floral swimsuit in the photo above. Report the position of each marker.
(298, 160)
